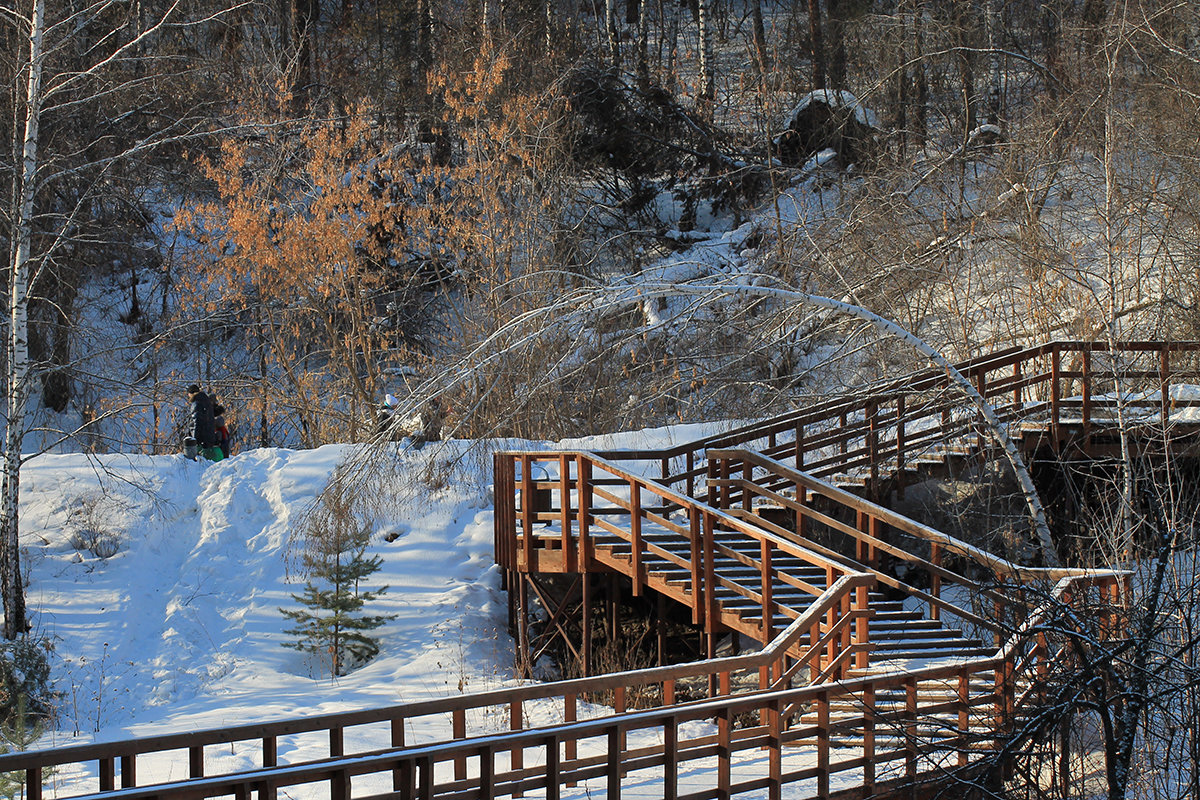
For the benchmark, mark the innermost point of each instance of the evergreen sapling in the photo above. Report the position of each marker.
(332, 623)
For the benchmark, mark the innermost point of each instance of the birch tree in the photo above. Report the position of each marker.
(120, 61)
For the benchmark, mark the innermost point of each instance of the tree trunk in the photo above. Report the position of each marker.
(18, 344)
(992, 20)
(837, 45)
(817, 43)
(643, 46)
(305, 14)
(760, 38)
(707, 83)
(614, 35)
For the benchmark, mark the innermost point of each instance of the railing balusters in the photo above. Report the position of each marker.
(128, 771)
(516, 720)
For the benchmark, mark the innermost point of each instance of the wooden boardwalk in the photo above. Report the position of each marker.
(865, 683)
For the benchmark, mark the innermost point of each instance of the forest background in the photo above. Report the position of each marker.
(305, 206)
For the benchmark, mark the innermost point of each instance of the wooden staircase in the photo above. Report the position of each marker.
(772, 532)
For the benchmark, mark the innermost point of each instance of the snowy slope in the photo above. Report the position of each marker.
(181, 627)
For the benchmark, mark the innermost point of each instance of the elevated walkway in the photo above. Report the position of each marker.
(866, 683)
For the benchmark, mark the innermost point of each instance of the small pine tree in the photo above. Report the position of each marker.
(332, 624)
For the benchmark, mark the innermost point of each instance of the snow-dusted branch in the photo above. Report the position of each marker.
(573, 308)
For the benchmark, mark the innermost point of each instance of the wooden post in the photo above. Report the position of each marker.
(570, 746)
(964, 715)
(670, 759)
(775, 750)
(1164, 376)
(862, 626)
(872, 413)
(767, 578)
(564, 493)
(868, 738)
(584, 467)
(935, 580)
(585, 647)
(516, 723)
(910, 728)
(553, 777)
(614, 762)
(635, 534)
(696, 563)
(527, 508)
(397, 742)
(1055, 399)
(710, 592)
(822, 705)
(458, 722)
(1086, 426)
(523, 665)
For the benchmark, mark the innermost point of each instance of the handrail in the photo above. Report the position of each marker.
(412, 768)
(769, 656)
(893, 391)
(1002, 567)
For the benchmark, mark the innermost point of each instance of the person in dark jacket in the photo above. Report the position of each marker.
(203, 431)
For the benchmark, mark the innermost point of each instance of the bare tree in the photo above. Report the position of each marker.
(67, 89)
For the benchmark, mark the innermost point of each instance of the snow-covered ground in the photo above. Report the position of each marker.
(180, 629)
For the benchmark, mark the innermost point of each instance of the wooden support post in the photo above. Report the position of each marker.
(862, 628)
(660, 628)
(397, 742)
(553, 777)
(585, 647)
(767, 578)
(707, 550)
(458, 723)
(516, 723)
(964, 716)
(635, 530)
(1086, 427)
(196, 761)
(1055, 400)
(1164, 377)
(614, 762)
(584, 466)
(128, 771)
(614, 608)
(868, 775)
(696, 563)
(935, 580)
(670, 759)
(723, 754)
(571, 745)
(822, 706)
(910, 728)
(569, 545)
(523, 666)
(775, 748)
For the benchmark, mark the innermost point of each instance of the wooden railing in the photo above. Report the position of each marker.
(1070, 387)
(949, 716)
(656, 686)
(579, 496)
(742, 476)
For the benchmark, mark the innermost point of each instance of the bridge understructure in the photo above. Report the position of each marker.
(889, 658)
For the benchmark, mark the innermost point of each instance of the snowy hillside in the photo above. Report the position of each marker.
(181, 627)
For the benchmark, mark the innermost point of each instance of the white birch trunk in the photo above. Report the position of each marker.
(707, 82)
(18, 344)
(612, 32)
